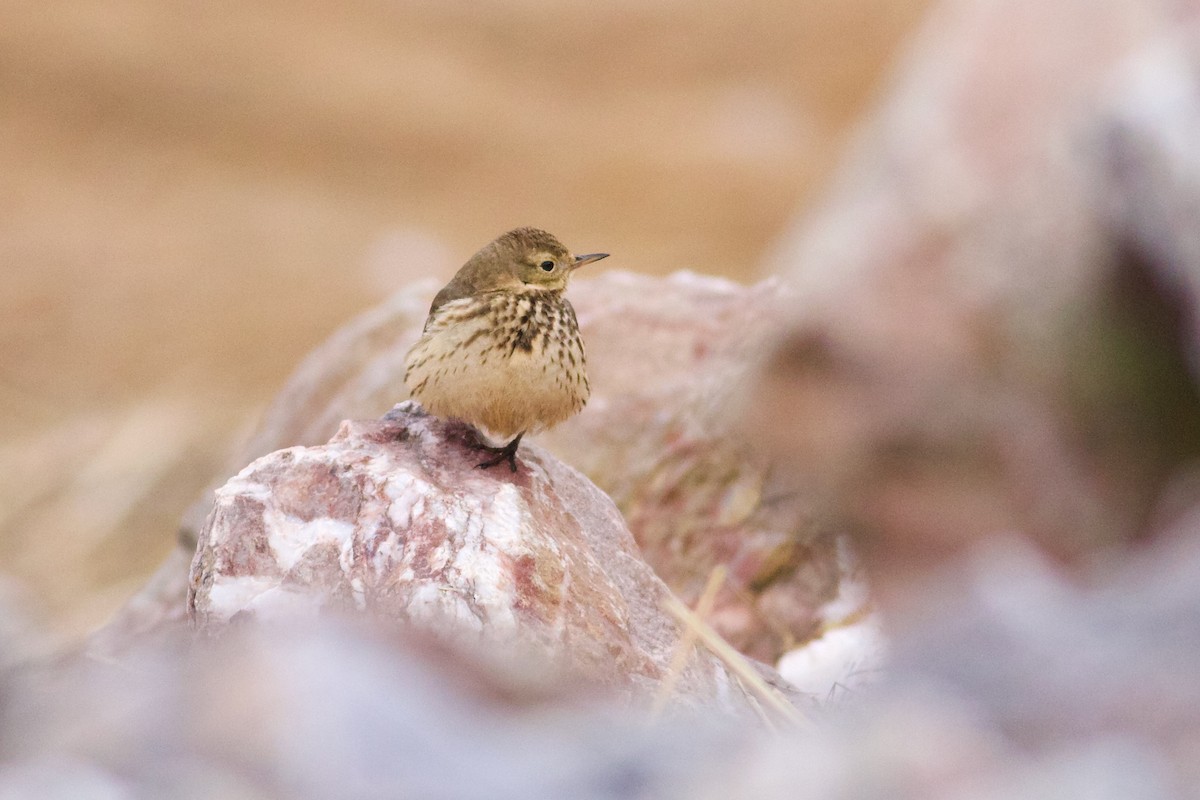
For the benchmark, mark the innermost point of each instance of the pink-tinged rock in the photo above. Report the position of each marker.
(981, 339)
(669, 361)
(667, 358)
(392, 518)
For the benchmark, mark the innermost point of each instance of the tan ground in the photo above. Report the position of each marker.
(193, 195)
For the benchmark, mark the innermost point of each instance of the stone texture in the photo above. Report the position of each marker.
(668, 358)
(393, 519)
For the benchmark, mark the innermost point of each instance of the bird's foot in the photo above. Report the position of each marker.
(506, 453)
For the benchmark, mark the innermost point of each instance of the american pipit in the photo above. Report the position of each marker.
(501, 348)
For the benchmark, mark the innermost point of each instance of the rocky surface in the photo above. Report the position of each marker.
(393, 519)
(667, 359)
(670, 361)
(1017, 684)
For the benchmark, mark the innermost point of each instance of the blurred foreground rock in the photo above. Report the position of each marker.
(329, 708)
(993, 322)
(1020, 686)
(667, 358)
(392, 518)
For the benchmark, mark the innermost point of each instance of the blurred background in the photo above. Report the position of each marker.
(194, 195)
(981, 396)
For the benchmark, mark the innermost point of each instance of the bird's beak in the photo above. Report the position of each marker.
(589, 258)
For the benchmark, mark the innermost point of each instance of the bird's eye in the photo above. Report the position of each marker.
(548, 266)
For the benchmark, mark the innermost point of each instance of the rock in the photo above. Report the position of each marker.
(1022, 685)
(983, 336)
(1015, 684)
(393, 519)
(332, 708)
(668, 358)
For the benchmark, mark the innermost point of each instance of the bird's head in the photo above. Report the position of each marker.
(524, 258)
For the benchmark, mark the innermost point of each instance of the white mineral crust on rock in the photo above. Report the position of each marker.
(392, 518)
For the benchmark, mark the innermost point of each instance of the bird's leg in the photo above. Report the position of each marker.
(506, 453)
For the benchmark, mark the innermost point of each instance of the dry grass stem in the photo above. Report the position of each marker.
(733, 659)
(687, 640)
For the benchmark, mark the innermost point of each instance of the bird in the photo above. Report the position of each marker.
(501, 348)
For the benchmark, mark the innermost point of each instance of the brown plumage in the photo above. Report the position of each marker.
(501, 347)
